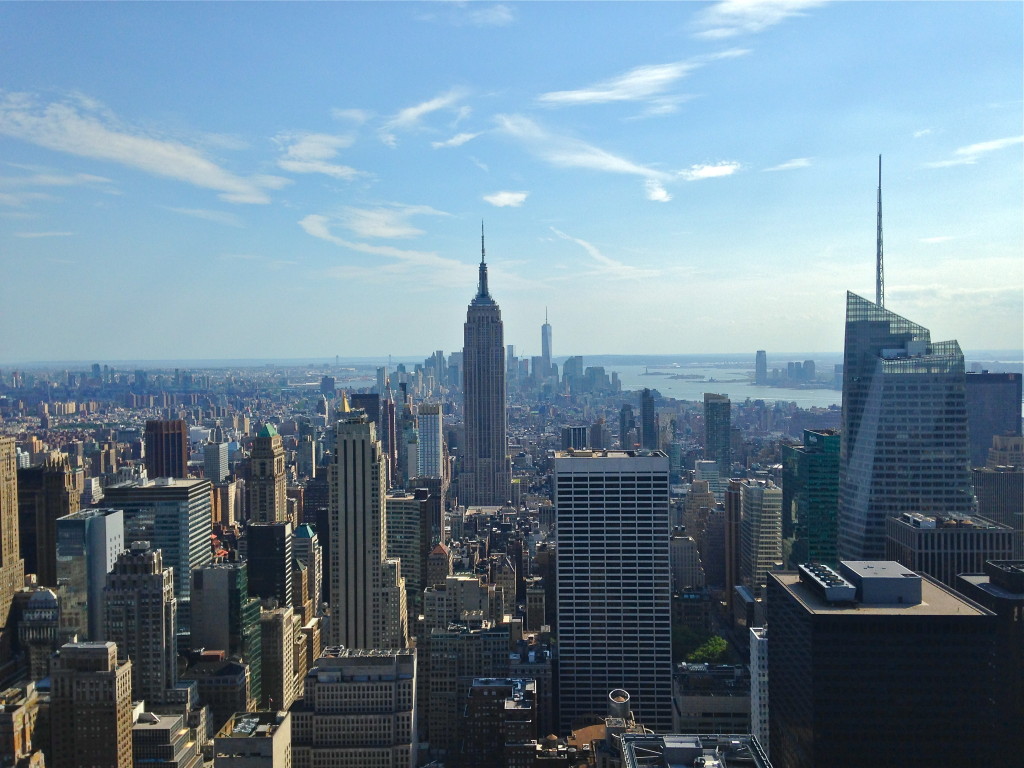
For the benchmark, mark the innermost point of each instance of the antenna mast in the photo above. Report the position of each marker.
(879, 272)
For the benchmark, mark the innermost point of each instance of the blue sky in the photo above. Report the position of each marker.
(213, 180)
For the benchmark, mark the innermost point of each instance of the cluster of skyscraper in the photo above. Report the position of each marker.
(410, 606)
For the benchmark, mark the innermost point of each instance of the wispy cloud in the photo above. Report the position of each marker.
(80, 127)
(492, 16)
(387, 222)
(789, 165)
(311, 153)
(710, 171)
(409, 118)
(969, 155)
(506, 199)
(729, 18)
(922, 132)
(936, 239)
(21, 199)
(455, 141)
(31, 235)
(45, 179)
(218, 217)
(357, 116)
(567, 152)
(603, 265)
(646, 83)
(437, 269)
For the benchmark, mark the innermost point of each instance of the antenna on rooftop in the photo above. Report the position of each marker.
(879, 271)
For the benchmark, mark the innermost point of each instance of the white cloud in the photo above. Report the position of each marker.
(409, 118)
(492, 16)
(43, 234)
(310, 153)
(437, 269)
(390, 222)
(710, 171)
(638, 84)
(507, 199)
(455, 141)
(656, 192)
(218, 217)
(789, 165)
(603, 265)
(922, 132)
(44, 179)
(566, 152)
(969, 155)
(936, 239)
(86, 130)
(729, 18)
(21, 199)
(357, 116)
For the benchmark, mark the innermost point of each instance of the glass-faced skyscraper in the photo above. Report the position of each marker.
(486, 476)
(904, 440)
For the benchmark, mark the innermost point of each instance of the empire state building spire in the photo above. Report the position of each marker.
(485, 475)
(483, 296)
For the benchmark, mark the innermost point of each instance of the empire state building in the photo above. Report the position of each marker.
(486, 477)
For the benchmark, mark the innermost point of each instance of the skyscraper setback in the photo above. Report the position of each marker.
(486, 476)
(904, 440)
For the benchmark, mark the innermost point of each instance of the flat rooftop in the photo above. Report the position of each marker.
(936, 600)
(606, 454)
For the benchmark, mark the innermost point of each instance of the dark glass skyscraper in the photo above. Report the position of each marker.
(904, 437)
(486, 476)
(718, 432)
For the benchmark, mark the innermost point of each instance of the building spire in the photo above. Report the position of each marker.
(545, 315)
(879, 272)
(483, 296)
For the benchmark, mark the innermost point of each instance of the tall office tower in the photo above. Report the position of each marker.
(545, 344)
(942, 547)
(993, 408)
(572, 373)
(1000, 588)
(39, 630)
(266, 483)
(687, 571)
(358, 709)
(574, 438)
(269, 552)
(498, 715)
(225, 618)
(166, 444)
(174, 516)
(367, 590)
(307, 456)
(91, 707)
(732, 530)
(486, 475)
(1000, 493)
(45, 493)
(648, 421)
(761, 368)
(904, 437)
(431, 446)
(12, 567)
(278, 630)
(810, 496)
(759, 702)
(760, 532)
(614, 582)
(718, 432)
(627, 427)
(836, 640)
(141, 617)
(307, 550)
(215, 457)
(408, 539)
(88, 544)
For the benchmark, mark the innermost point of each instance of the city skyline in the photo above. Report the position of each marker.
(674, 160)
